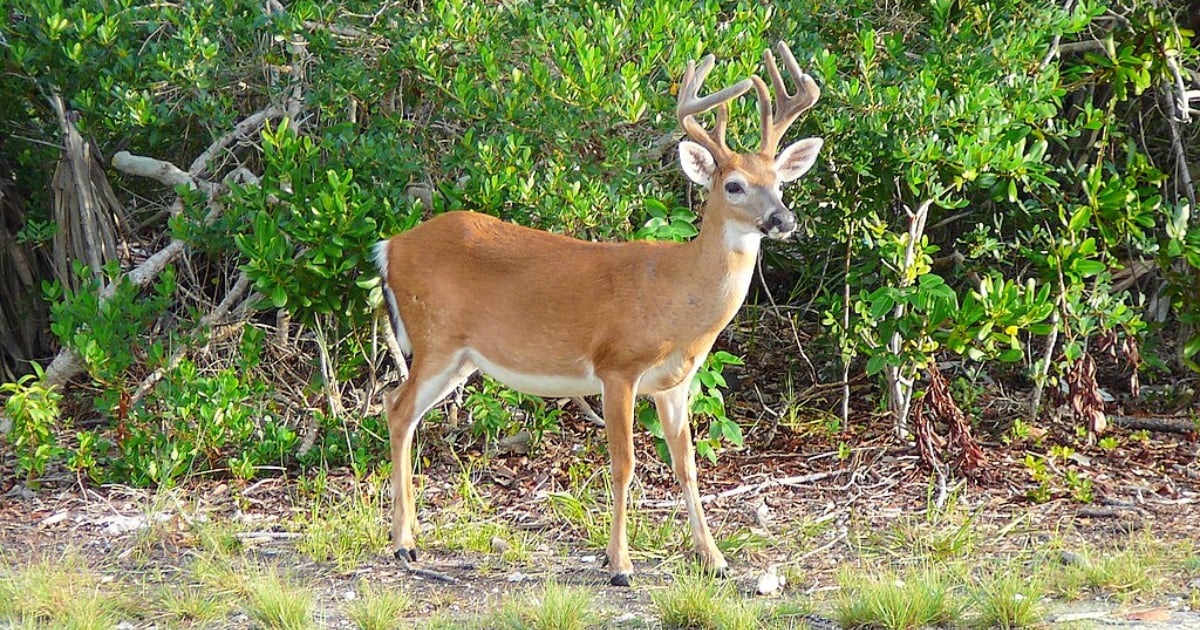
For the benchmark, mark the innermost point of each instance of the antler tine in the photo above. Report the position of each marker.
(790, 105)
(690, 105)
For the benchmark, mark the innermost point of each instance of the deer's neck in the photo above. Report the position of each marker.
(722, 260)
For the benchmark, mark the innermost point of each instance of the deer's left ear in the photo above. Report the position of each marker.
(795, 160)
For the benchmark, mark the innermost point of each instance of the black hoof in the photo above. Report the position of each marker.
(721, 573)
(406, 555)
(620, 579)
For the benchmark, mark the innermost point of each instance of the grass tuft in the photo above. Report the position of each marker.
(63, 592)
(344, 531)
(1140, 567)
(1008, 600)
(275, 603)
(473, 532)
(897, 602)
(191, 604)
(553, 607)
(698, 601)
(378, 609)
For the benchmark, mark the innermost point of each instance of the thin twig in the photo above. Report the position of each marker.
(1039, 377)
(587, 411)
(812, 371)
(235, 293)
(756, 487)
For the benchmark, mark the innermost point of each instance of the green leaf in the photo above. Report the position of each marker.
(877, 362)
(1088, 268)
(278, 296)
(1080, 220)
(1012, 355)
(732, 432)
(1192, 347)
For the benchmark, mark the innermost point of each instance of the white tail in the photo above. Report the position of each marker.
(555, 316)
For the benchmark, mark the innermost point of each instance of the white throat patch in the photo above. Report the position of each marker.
(742, 239)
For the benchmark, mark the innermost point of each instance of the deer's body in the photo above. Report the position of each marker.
(601, 307)
(556, 316)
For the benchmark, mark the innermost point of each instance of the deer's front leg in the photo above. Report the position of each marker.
(672, 407)
(618, 423)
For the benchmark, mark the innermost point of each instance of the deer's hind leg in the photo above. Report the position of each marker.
(428, 383)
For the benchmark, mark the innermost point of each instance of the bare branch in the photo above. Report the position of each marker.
(67, 363)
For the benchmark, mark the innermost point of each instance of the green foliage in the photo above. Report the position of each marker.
(107, 333)
(200, 423)
(33, 410)
(491, 408)
(708, 401)
(310, 230)
(1041, 171)
(1052, 475)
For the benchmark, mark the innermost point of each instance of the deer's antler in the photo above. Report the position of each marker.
(790, 105)
(690, 105)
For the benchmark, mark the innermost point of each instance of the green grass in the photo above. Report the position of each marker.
(192, 604)
(947, 537)
(551, 607)
(464, 531)
(1139, 567)
(218, 537)
(268, 597)
(587, 509)
(377, 609)
(274, 602)
(1004, 598)
(345, 530)
(896, 601)
(698, 601)
(62, 592)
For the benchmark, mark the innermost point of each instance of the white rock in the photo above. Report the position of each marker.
(117, 525)
(770, 582)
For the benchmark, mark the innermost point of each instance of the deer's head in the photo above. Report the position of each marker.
(745, 188)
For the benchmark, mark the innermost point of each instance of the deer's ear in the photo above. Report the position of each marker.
(697, 162)
(795, 160)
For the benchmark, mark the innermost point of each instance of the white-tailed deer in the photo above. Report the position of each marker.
(554, 316)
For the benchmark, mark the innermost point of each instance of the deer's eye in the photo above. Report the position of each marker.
(734, 188)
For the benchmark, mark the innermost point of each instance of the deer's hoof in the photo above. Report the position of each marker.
(619, 579)
(406, 555)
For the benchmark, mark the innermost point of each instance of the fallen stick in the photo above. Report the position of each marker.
(587, 411)
(426, 573)
(1157, 424)
(740, 490)
(771, 483)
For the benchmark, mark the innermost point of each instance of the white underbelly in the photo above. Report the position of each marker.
(585, 384)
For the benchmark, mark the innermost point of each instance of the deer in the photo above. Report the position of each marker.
(555, 316)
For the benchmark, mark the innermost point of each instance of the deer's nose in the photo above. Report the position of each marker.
(780, 224)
